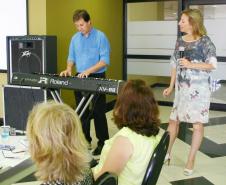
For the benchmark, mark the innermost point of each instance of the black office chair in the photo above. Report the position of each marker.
(156, 162)
(107, 178)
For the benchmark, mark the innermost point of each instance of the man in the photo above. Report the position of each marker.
(89, 51)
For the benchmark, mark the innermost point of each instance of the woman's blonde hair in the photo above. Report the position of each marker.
(195, 19)
(57, 143)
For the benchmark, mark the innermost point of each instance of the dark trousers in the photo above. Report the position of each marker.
(97, 111)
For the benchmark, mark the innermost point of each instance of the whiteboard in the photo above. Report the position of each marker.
(13, 20)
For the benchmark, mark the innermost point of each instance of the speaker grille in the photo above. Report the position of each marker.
(18, 101)
(27, 56)
(28, 62)
(31, 54)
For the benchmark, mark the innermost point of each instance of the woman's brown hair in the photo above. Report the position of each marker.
(195, 19)
(137, 109)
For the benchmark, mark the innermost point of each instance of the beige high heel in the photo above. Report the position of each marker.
(188, 172)
(167, 159)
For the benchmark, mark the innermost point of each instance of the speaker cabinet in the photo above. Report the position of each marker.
(31, 54)
(18, 102)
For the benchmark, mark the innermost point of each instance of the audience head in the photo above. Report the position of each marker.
(195, 19)
(56, 142)
(137, 109)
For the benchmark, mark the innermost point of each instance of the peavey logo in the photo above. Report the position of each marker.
(43, 80)
(26, 53)
(58, 82)
(106, 89)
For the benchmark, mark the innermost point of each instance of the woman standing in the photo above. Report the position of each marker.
(193, 59)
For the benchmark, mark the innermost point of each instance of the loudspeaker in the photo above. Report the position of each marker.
(18, 102)
(31, 54)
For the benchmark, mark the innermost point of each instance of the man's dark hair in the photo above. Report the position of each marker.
(81, 14)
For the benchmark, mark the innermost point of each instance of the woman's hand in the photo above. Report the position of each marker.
(167, 91)
(184, 63)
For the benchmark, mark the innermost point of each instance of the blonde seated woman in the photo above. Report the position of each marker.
(128, 152)
(57, 145)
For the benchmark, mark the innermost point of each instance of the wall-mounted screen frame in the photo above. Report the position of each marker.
(14, 21)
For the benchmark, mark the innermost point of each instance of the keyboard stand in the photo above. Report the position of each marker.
(84, 106)
(57, 98)
(55, 95)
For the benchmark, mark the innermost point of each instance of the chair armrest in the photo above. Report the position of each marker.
(107, 178)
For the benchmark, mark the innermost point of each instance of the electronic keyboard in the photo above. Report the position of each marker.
(53, 81)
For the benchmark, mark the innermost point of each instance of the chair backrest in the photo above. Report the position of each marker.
(156, 162)
(107, 178)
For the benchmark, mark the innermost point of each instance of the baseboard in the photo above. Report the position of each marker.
(1, 121)
(159, 85)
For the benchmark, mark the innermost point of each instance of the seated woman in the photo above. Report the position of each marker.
(128, 152)
(57, 145)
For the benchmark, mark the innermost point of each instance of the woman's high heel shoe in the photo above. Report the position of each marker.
(167, 159)
(188, 172)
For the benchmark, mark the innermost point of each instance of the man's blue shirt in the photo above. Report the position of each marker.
(85, 52)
